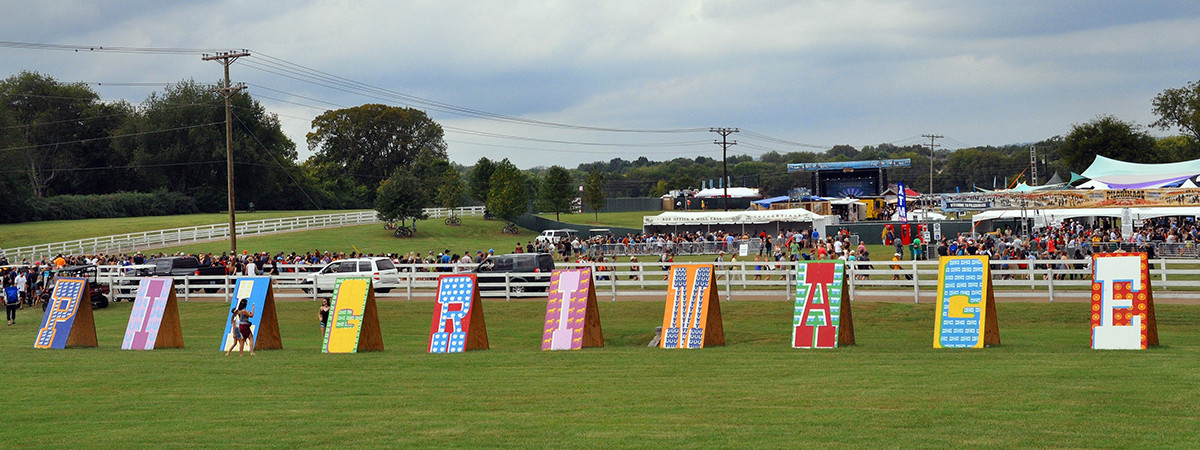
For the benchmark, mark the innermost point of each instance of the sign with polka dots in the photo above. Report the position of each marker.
(458, 318)
(1122, 302)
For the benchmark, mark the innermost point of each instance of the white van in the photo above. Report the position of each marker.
(553, 236)
(383, 274)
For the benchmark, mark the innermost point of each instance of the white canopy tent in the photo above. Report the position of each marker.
(740, 221)
(734, 192)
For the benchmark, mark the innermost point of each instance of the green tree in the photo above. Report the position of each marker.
(57, 126)
(508, 196)
(1110, 137)
(481, 177)
(450, 192)
(556, 191)
(1179, 108)
(178, 141)
(1177, 148)
(593, 192)
(367, 143)
(402, 198)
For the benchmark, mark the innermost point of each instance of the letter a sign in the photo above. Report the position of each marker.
(822, 317)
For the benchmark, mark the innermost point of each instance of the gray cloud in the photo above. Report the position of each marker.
(825, 73)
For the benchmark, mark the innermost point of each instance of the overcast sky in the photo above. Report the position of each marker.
(801, 72)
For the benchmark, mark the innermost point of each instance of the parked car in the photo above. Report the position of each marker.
(182, 266)
(381, 271)
(525, 267)
(553, 236)
(97, 290)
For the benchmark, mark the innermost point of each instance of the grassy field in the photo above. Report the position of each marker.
(474, 234)
(612, 219)
(22, 234)
(1042, 387)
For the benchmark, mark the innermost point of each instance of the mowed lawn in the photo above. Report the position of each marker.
(32, 233)
(1042, 387)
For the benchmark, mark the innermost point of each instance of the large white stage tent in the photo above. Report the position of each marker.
(752, 222)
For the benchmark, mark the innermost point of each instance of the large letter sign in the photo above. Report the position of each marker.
(353, 322)
(1122, 302)
(458, 319)
(265, 324)
(822, 318)
(68, 319)
(154, 319)
(966, 311)
(692, 318)
(572, 319)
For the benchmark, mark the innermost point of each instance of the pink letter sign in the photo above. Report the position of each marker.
(572, 320)
(154, 320)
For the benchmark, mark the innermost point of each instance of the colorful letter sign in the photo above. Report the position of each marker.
(353, 322)
(572, 320)
(692, 318)
(966, 312)
(154, 320)
(260, 300)
(1122, 302)
(68, 319)
(822, 317)
(458, 320)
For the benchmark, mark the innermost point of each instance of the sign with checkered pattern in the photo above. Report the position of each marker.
(68, 318)
(966, 308)
(692, 317)
(458, 316)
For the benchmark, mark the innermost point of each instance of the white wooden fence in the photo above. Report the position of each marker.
(147, 240)
(915, 280)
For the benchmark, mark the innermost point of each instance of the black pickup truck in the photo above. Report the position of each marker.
(182, 266)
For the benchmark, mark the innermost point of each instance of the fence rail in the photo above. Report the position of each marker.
(146, 240)
(1043, 280)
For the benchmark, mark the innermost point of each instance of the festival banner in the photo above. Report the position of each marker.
(353, 320)
(264, 325)
(692, 318)
(572, 318)
(68, 320)
(1122, 302)
(1074, 198)
(902, 203)
(822, 318)
(966, 311)
(458, 318)
(154, 320)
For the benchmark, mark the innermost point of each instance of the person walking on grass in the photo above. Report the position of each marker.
(242, 332)
(12, 301)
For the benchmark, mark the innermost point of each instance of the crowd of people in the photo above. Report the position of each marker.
(1070, 240)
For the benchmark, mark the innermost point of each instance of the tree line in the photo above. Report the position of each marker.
(60, 139)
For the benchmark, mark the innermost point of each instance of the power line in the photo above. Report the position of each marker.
(108, 137)
(102, 48)
(308, 74)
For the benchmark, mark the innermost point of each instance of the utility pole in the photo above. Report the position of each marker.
(1033, 165)
(724, 143)
(227, 91)
(932, 146)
